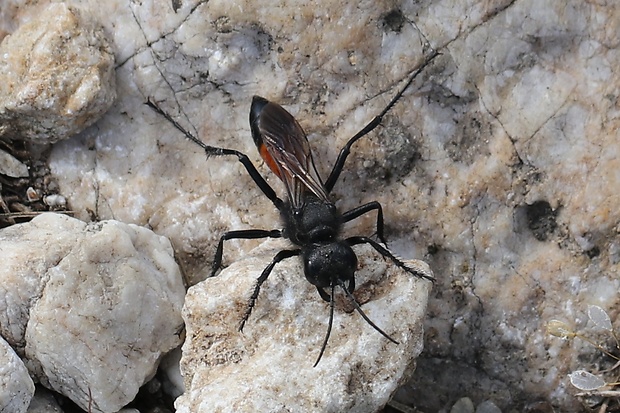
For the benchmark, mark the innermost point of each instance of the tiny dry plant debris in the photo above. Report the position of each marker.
(26, 189)
(599, 390)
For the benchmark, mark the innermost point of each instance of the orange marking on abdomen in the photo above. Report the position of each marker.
(271, 163)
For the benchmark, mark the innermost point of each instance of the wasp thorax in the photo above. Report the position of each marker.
(316, 221)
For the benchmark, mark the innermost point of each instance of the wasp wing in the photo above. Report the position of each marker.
(283, 145)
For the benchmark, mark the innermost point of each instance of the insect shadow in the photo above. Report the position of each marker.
(310, 218)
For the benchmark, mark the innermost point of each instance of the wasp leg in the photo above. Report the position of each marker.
(282, 255)
(361, 210)
(386, 253)
(346, 150)
(242, 234)
(216, 151)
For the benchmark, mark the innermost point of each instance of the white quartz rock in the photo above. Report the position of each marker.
(170, 374)
(16, 386)
(56, 75)
(28, 252)
(93, 307)
(269, 366)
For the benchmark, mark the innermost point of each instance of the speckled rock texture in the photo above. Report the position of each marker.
(56, 75)
(498, 167)
(91, 308)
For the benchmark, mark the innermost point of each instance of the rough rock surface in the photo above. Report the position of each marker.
(56, 75)
(498, 167)
(270, 363)
(12, 167)
(16, 386)
(91, 307)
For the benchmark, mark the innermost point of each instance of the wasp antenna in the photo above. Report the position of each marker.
(363, 314)
(329, 327)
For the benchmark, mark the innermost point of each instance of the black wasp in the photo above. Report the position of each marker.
(311, 220)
